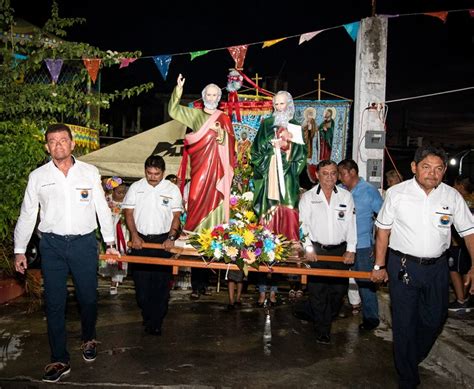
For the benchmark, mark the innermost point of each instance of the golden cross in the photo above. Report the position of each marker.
(319, 79)
(256, 78)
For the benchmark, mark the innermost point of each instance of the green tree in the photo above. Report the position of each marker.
(28, 107)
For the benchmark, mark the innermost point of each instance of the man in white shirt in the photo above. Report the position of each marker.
(69, 195)
(329, 228)
(152, 208)
(415, 222)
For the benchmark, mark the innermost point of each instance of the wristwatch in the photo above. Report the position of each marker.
(379, 267)
(171, 237)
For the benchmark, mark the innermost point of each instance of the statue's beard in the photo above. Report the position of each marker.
(212, 105)
(281, 118)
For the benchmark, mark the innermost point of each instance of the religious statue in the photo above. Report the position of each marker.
(211, 149)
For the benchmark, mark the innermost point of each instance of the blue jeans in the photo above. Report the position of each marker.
(60, 255)
(367, 290)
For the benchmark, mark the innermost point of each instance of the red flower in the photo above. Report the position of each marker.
(259, 244)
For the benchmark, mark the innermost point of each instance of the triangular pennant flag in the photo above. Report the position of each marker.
(352, 29)
(471, 12)
(124, 62)
(308, 36)
(440, 15)
(196, 54)
(54, 66)
(163, 63)
(238, 54)
(92, 65)
(272, 42)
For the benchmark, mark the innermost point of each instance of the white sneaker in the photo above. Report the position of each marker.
(113, 290)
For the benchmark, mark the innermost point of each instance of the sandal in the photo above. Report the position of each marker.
(194, 296)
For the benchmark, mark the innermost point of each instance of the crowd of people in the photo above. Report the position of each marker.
(403, 238)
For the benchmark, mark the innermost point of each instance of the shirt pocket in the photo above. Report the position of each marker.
(83, 194)
(341, 214)
(443, 219)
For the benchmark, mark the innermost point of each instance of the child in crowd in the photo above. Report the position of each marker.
(117, 271)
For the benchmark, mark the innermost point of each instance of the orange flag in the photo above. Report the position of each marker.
(92, 65)
(272, 42)
(440, 15)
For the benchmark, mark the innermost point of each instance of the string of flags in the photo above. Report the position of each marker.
(237, 53)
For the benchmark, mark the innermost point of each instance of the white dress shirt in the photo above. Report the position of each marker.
(153, 207)
(328, 223)
(420, 224)
(68, 204)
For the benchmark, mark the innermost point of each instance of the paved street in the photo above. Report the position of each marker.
(203, 345)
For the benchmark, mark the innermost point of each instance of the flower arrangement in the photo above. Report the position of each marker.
(242, 241)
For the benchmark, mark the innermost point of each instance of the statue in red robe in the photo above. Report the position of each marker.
(211, 149)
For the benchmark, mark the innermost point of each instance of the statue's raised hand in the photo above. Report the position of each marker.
(180, 81)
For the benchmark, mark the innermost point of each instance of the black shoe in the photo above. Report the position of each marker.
(153, 331)
(230, 307)
(89, 350)
(55, 371)
(323, 339)
(238, 304)
(368, 325)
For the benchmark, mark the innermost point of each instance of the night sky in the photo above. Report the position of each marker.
(425, 55)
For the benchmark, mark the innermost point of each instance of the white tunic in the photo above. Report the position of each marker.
(68, 204)
(328, 223)
(153, 207)
(420, 224)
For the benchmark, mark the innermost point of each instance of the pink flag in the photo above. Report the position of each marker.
(308, 36)
(238, 53)
(124, 62)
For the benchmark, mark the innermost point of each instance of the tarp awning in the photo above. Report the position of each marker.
(127, 157)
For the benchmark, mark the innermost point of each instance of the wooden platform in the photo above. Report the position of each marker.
(185, 257)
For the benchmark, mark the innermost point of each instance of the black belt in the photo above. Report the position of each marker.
(66, 237)
(329, 246)
(418, 260)
(153, 236)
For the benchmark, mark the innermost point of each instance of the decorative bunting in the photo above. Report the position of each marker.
(124, 62)
(196, 54)
(162, 62)
(352, 29)
(238, 54)
(308, 36)
(54, 66)
(272, 42)
(440, 15)
(92, 65)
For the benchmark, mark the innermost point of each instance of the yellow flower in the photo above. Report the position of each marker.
(248, 237)
(278, 251)
(205, 239)
(250, 216)
(231, 251)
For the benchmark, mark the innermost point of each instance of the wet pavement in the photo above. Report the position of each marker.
(203, 345)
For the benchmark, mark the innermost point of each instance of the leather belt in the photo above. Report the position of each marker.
(418, 260)
(329, 246)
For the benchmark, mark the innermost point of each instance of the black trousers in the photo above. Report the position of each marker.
(419, 310)
(326, 294)
(152, 283)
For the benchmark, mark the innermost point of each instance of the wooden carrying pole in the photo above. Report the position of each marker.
(291, 267)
